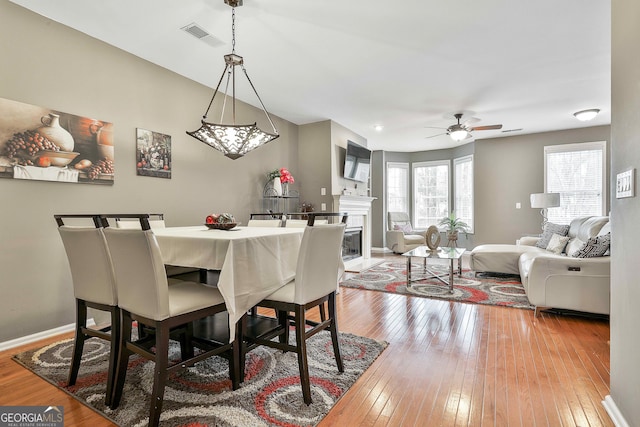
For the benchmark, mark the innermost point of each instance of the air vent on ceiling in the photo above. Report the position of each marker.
(200, 33)
(511, 130)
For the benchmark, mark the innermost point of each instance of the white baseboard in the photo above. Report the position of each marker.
(381, 250)
(6, 345)
(614, 412)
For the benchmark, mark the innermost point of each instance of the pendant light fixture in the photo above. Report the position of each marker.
(233, 140)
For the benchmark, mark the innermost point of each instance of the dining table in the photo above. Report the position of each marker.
(253, 262)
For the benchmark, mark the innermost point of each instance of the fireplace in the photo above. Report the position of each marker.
(352, 243)
(359, 220)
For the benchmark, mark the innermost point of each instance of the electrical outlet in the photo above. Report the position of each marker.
(518, 205)
(323, 206)
(323, 191)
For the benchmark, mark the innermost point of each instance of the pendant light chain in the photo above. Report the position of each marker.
(233, 30)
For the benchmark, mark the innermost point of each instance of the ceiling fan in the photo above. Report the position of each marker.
(461, 131)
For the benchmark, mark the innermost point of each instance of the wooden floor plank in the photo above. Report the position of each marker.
(448, 364)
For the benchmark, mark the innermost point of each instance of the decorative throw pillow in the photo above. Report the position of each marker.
(573, 245)
(557, 243)
(594, 247)
(549, 230)
(405, 228)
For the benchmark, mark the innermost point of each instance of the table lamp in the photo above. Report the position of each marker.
(543, 201)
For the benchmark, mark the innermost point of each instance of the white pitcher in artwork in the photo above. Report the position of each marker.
(56, 133)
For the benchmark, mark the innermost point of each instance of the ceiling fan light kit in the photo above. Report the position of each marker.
(586, 115)
(461, 131)
(458, 134)
(233, 140)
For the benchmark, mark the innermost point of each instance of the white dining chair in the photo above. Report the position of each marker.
(144, 296)
(93, 287)
(264, 223)
(318, 271)
(156, 222)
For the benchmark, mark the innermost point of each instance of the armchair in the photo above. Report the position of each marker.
(401, 237)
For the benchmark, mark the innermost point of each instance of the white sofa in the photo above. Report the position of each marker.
(554, 280)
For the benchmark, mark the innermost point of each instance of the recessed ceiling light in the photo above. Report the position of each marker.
(378, 128)
(586, 115)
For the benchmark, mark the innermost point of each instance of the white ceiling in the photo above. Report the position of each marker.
(406, 65)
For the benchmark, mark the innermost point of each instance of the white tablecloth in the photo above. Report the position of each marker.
(253, 261)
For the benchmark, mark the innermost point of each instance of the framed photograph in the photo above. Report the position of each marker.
(38, 143)
(153, 154)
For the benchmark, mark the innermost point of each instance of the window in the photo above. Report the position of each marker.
(398, 187)
(463, 189)
(578, 173)
(431, 193)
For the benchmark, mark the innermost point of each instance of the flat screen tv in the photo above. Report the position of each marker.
(357, 162)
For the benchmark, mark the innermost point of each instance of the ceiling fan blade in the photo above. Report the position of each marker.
(433, 136)
(469, 121)
(490, 127)
(433, 127)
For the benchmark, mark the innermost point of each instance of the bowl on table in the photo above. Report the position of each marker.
(221, 226)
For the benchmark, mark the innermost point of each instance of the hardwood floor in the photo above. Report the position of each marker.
(447, 364)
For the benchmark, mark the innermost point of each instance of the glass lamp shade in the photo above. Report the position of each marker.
(545, 200)
(459, 135)
(233, 141)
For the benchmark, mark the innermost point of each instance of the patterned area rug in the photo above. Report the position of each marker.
(487, 288)
(202, 396)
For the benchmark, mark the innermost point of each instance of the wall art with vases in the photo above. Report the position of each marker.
(38, 143)
(153, 154)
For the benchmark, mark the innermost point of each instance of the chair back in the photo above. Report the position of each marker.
(90, 262)
(296, 223)
(141, 281)
(264, 223)
(320, 263)
(134, 223)
(397, 218)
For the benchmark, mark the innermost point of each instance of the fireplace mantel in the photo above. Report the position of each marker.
(359, 210)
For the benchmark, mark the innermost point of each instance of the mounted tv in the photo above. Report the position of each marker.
(357, 162)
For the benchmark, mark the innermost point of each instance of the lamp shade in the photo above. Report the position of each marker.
(545, 200)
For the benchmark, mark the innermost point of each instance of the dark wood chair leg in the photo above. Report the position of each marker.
(186, 342)
(283, 319)
(160, 373)
(301, 345)
(123, 360)
(334, 331)
(323, 314)
(78, 345)
(113, 354)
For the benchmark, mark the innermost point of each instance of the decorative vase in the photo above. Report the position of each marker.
(285, 189)
(452, 237)
(277, 186)
(56, 133)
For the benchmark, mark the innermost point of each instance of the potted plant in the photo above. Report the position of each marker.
(453, 226)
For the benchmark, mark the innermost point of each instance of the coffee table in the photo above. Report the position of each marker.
(425, 253)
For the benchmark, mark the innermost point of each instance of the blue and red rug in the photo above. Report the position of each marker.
(202, 396)
(487, 288)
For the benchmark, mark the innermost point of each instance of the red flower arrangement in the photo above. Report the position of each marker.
(286, 177)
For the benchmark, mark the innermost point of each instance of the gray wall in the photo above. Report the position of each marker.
(506, 171)
(625, 132)
(314, 157)
(49, 65)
